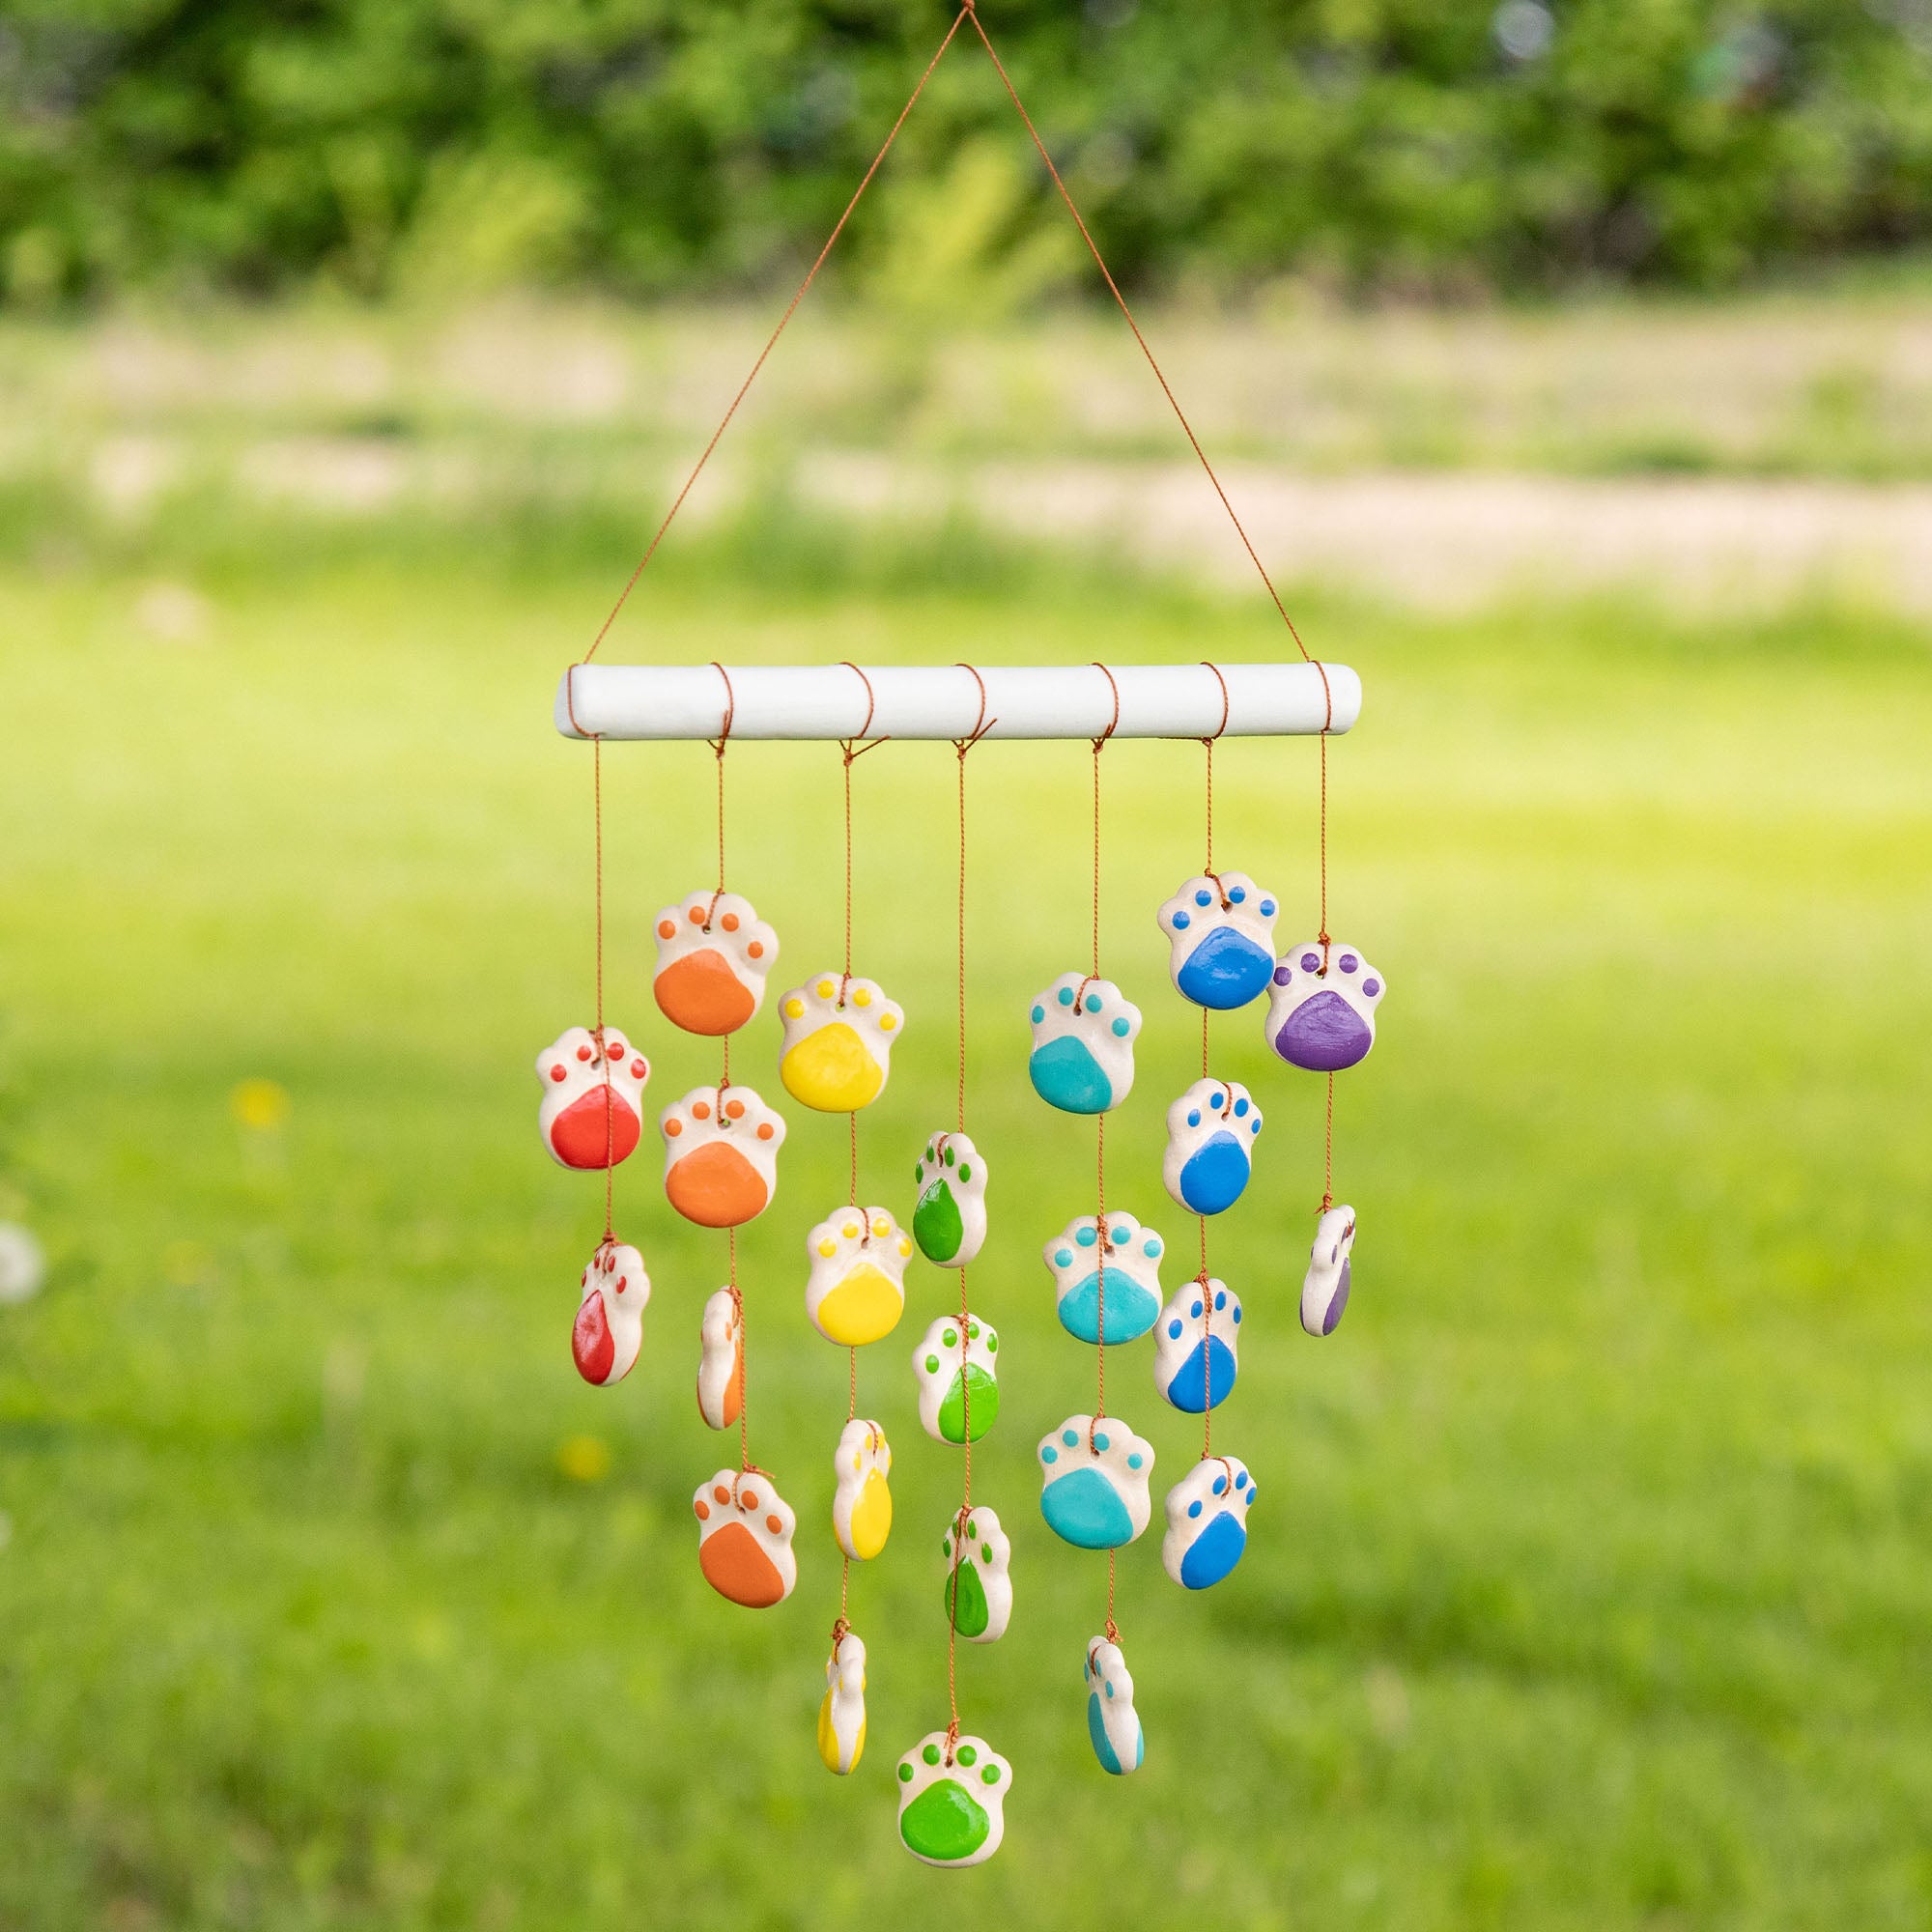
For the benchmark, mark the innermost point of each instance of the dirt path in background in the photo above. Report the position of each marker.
(1447, 541)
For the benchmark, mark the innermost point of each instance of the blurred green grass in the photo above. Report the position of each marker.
(1589, 1586)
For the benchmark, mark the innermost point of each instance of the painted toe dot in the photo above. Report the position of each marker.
(1174, 1329)
(930, 1753)
(826, 989)
(1069, 1436)
(1203, 897)
(1220, 1484)
(1049, 1453)
(672, 1128)
(1372, 986)
(729, 921)
(968, 1755)
(888, 1021)
(583, 1053)
(1066, 996)
(1134, 1460)
(861, 996)
(756, 948)
(734, 1110)
(1087, 1237)
(1310, 960)
(747, 1498)
(1239, 893)
(703, 1510)
(1350, 962)
(932, 1365)
(1100, 1444)
(721, 1493)
(702, 1111)
(666, 928)
(1267, 908)
(794, 1010)
(1181, 921)
(1151, 1247)
(1122, 1027)
(696, 915)
(1063, 1257)
(1092, 1002)
(828, 1249)
(990, 1776)
(558, 1073)
(774, 1524)
(905, 1773)
(1194, 1508)
(764, 1130)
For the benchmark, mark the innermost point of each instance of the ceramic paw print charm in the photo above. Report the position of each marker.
(1197, 1346)
(953, 1815)
(979, 1577)
(1207, 1521)
(1324, 1287)
(862, 1503)
(1210, 1138)
(720, 1362)
(958, 1377)
(1220, 937)
(591, 1111)
(609, 1325)
(854, 1291)
(1120, 1274)
(948, 1219)
(1323, 1020)
(743, 1538)
(713, 954)
(1112, 1724)
(721, 1155)
(839, 1038)
(1094, 1482)
(1083, 1044)
(841, 1716)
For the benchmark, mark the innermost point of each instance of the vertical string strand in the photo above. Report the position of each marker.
(1100, 1133)
(610, 1097)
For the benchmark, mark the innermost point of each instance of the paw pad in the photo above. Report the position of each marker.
(743, 1538)
(1221, 940)
(721, 1155)
(1112, 1722)
(1210, 1138)
(978, 1592)
(855, 1293)
(1094, 1482)
(1123, 1268)
(1197, 1346)
(609, 1326)
(862, 1503)
(958, 1377)
(713, 954)
(835, 1055)
(586, 1119)
(1207, 1521)
(948, 1219)
(1083, 1044)
(720, 1364)
(1322, 1021)
(953, 1815)
(841, 1716)
(1324, 1287)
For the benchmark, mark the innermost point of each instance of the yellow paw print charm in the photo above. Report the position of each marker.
(839, 1036)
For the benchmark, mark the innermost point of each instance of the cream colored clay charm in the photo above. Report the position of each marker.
(1210, 1138)
(587, 1119)
(841, 1716)
(1112, 1722)
(721, 1366)
(953, 1815)
(862, 1504)
(1323, 1020)
(1083, 1044)
(1221, 940)
(713, 954)
(855, 1293)
(958, 1378)
(1094, 1482)
(1206, 1522)
(721, 1155)
(609, 1325)
(1125, 1270)
(837, 1046)
(948, 1219)
(1197, 1346)
(978, 1592)
(743, 1538)
(1324, 1287)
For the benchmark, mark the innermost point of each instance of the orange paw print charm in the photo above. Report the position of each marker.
(721, 1155)
(713, 954)
(743, 1538)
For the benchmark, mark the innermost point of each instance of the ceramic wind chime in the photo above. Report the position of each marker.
(832, 1054)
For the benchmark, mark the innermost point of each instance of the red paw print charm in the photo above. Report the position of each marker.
(609, 1326)
(593, 1092)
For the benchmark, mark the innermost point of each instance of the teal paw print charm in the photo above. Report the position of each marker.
(952, 1808)
(1084, 1031)
(1094, 1482)
(1112, 1724)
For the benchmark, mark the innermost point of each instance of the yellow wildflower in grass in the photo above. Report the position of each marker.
(585, 1459)
(260, 1105)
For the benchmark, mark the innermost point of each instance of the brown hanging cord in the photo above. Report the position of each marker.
(791, 307)
(961, 745)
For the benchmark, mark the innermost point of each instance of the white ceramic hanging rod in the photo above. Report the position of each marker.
(830, 702)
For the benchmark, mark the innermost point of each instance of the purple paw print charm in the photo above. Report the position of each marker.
(1323, 1020)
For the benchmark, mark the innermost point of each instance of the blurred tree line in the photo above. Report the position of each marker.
(658, 146)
